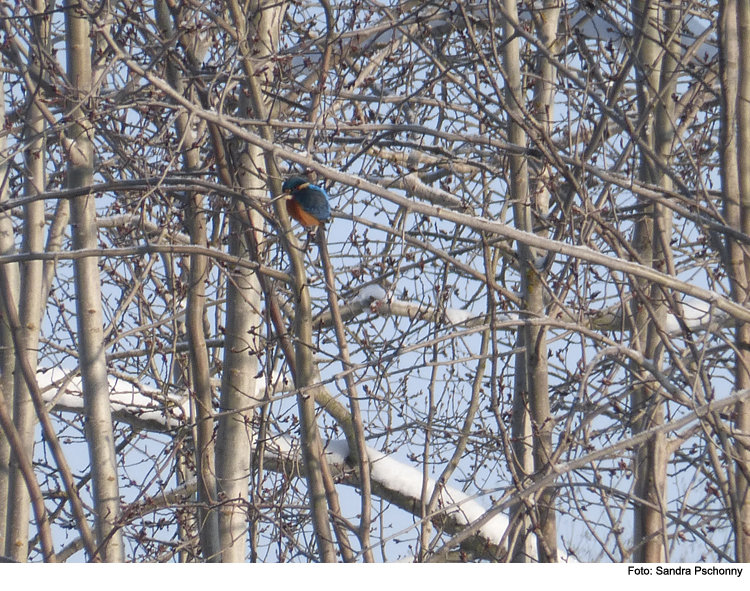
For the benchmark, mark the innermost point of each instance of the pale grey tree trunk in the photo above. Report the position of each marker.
(518, 191)
(655, 46)
(200, 377)
(536, 345)
(741, 496)
(521, 546)
(99, 427)
(208, 516)
(531, 395)
(7, 351)
(302, 363)
(735, 259)
(241, 347)
(244, 322)
(238, 389)
(30, 306)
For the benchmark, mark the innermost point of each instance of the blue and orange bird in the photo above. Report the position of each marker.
(306, 203)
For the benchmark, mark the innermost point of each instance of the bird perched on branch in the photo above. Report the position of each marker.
(306, 203)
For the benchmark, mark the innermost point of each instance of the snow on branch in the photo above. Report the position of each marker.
(392, 479)
(137, 405)
(376, 300)
(694, 313)
(401, 485)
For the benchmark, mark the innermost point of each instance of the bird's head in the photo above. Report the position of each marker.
(294, 183)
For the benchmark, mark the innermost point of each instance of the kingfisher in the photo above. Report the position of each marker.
(306, 203)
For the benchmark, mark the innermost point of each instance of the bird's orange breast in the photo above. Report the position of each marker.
(295, 211)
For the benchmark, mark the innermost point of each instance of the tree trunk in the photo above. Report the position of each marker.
(30, 306)
(91, 347)
(7, 351)
(656, 46)
(741, 497)
(534, 398)
(303, 364)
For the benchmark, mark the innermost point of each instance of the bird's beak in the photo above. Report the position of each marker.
(279, 197)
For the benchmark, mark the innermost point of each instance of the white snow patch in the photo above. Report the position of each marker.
(371, 293)
(407, 480)
(146, 404)
(337, 450)
(696, 313)
(456, 316)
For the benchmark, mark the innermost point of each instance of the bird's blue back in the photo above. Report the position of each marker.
(313, 199)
